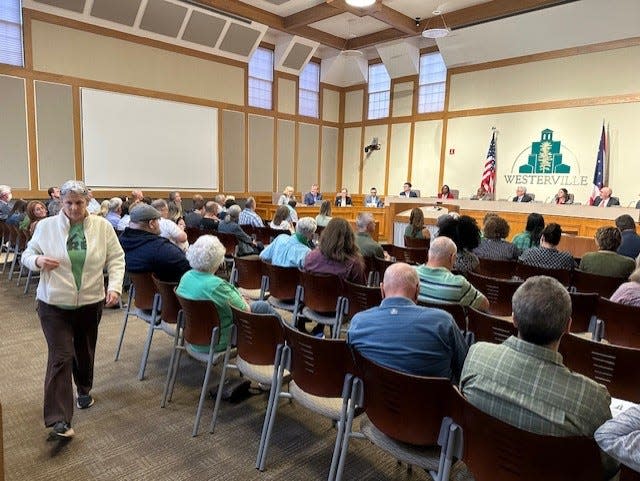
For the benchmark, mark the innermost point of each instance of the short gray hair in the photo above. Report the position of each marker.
(541, 310)
(160, 204)
(206, 254)
(306, 226)
(233, 213)
(363, 220)
(114, 204)
(5, 189)
(74, 187)
(442, 247)
(250, 203)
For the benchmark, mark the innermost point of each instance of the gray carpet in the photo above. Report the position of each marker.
(126, 435)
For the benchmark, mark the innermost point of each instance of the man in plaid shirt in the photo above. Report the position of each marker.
(523, 381)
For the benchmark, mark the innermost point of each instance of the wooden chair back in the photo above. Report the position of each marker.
(605, 286)
(381, 266)
(321, 291)
(404, 407)
(524, 271)
(267, 234)
(145, 289)
(621, 322)
(583, 307)
(494, 450)
(192, 234)
(458, 312)
(14, 235)
(318, 366)
(282, 280)
(360, 297)
(410, 255)
(257, 336)
(200, 317)
(229, 241)
(248, 272)
(497, 269)
(417, 243)
(498, 291)
(488, 328)
(614, 366)
(170, 304)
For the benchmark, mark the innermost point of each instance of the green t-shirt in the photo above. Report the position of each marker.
(77, 250)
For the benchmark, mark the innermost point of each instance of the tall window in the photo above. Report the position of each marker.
(379, 91)
(432, 81)
(261, 79)
(11, 32)
(309, 91)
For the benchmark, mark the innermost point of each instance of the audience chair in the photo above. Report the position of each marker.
(605, 286)
(192, 234)
(147, 307)
(410, 255)
(371, 269)
(360, 298)
(403, 414)
(497, 269)
(281, 283)
(524, 271)
(257, 338)
(247, 275)
(319, 299)
(494, 450)
(9, 238)
(498, 291)
(229, 241)
(165, 320)
(614, 366)
(320, 379)
(488, 328)
(458, 312)
(24, 237)
(412, 242)
(628, 474)
(381, 266)
(267, 234)
(621, 323)
(17, 241)
(198, 325)
(583, 311)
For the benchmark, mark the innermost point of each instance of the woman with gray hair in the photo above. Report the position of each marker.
(205, 256)
(71, 250)
(246, 245)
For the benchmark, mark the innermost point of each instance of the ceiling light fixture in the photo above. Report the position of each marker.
(436, 32)
(360, 3)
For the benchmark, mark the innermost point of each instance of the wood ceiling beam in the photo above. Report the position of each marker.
(375, 38)
(395, 19)
(312, 15)
(319, 36)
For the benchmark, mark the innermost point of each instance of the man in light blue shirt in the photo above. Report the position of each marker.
(248, 215)
(290, 250)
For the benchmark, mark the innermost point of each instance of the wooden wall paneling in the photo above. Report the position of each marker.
(234, 151)
(286, 154)
(31, 138)
(445, 123)
(340, 160)
(307, 156)
(330, 153)
(260, 134)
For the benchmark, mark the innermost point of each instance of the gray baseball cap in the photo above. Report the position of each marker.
(144, 212)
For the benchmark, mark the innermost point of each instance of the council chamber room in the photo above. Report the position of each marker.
(320, 239)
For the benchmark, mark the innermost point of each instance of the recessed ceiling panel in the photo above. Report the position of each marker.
(297, 56)
(347, 25)
(425, 8)
(277, 2)
(73, 5)
(163, 17)
(282, 8)
(239, 40)
(119, 11)
(203, 29)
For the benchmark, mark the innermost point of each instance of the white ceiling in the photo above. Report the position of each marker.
(347, 25)
(424, 8)
(289, 7)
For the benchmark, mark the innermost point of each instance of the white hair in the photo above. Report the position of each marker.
(5, 189)
(114, 204)
(74, 187)
(363, 220)
(206, 254)
(306, 226)
(233, 213)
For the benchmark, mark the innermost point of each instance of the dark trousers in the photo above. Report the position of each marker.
(71, 338)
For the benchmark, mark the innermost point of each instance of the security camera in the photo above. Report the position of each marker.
(373, 146)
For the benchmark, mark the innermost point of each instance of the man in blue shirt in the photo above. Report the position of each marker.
(290, 250)
(403, 336)
(310, 198)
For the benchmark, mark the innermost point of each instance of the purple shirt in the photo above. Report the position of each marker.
(628, 293)
(351, 269)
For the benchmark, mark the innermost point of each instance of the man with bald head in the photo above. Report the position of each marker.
(403, 336)
(438, 284)
(605, 199)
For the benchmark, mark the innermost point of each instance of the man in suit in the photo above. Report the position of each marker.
(343, 199)
(372, 200)
(521, 195)
(310, 198)
(406, 191)
(605, 199)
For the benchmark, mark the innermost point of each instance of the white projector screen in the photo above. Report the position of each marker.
(130, 141)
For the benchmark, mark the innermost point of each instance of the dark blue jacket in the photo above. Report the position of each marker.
(148, 252)
(630, 246)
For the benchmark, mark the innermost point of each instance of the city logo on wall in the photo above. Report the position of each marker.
(547, 162)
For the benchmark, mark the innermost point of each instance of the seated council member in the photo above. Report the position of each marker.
(482, 194)
(547, 255)
(406, 191)
(286, 196)
(343, 199)
(372, 200)
(562, 197)
(521, 195)
(401, 335)
(605, 199)
(606, 261)
(290, 250)
(445, 193)
(523, 381)
(310, 198)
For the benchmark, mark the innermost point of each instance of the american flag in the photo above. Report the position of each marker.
(489, 175)
(600, 174)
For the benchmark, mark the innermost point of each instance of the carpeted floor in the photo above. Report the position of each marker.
(126, 435)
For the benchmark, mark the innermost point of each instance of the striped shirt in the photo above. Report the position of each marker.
(249, 217)
(438, 284)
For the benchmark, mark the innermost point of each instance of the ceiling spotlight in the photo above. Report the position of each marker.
(360, 3)
(436, 32)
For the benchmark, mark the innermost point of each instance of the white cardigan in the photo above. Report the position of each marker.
(58, 286)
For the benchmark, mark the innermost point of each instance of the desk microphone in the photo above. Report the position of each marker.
(548, 200)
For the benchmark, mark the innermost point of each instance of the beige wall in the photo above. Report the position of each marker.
(287, 95)
(374, 164)
(402, 99)
(330, 105)
(351, 155)
(426, 157)
(14, 150)
(353, 106)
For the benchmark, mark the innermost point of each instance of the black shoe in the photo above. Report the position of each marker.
(84, 401)
(61, 431)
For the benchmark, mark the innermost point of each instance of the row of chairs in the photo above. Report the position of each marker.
(14, 241)
(576, 279)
